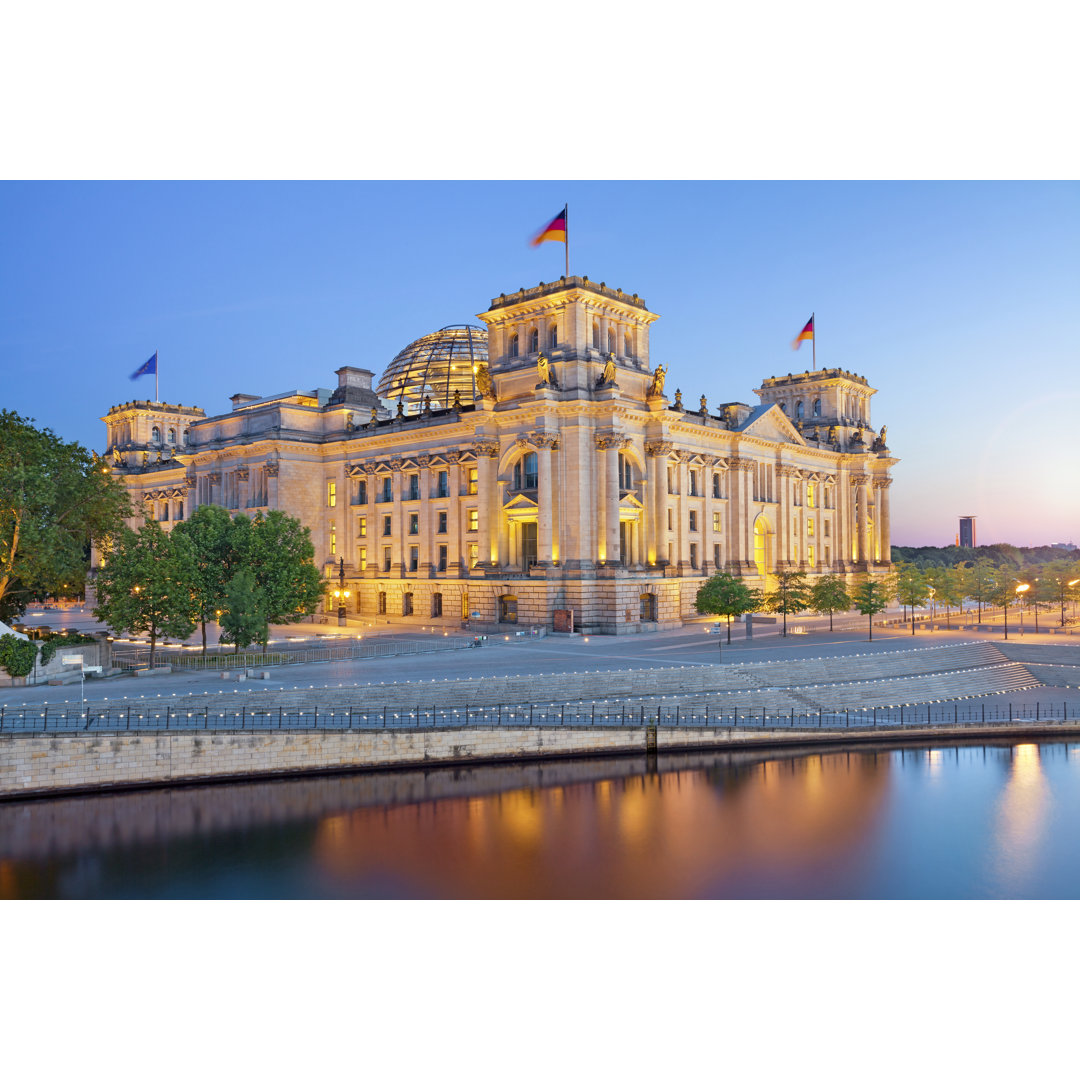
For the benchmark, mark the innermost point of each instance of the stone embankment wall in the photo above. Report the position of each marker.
(56, 764)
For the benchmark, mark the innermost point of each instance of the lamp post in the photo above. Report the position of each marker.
(340, 593)
(1020, 590)
(932, 591)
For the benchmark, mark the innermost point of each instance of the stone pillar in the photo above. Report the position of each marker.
(881, 502)
(657, 454)
(454, 556)
(427, 549)
(682, 514)
(741, 516)
(609, 446)
(487, 452)
(545, 510)
(864, 533)
(397, 528)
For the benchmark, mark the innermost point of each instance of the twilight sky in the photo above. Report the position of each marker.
(959, 302)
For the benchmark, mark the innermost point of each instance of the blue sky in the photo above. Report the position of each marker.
(959, 301)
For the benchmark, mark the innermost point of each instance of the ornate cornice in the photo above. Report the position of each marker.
(658, 448)
(486, 447)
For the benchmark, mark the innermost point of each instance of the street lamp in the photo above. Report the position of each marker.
(1020, 590)
(341, 593)
(932, 591)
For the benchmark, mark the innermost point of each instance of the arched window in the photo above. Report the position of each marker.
(508, 609)
(626, 473)
(534, 341)
(648, 607)
(628, 345)
(553, 337)
(513, 347)
(526, 472)
(406, 604)
(783, 407)
(155, 435)
(436, 605)
(610, 340)
(381, 603)
(172, 435)
(596, 334)
(817, 406)
(798, 410)
(185, 436)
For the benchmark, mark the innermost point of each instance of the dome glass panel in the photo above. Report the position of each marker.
(436, 365)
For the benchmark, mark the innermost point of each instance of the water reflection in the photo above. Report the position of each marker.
(1021, 817)
(940, 822)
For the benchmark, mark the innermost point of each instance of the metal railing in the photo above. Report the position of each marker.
(179, 719)
(229, 661)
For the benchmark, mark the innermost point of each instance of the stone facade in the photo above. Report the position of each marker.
(572, 481)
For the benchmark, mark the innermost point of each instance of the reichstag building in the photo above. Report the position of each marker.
(531, 467)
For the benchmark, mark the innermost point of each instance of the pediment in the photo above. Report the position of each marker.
(773, 424)
(521, 502)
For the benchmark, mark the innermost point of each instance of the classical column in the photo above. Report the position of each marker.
(454, 554)
(487, 450)
(609, 446)
(682, 513)
(397, 527)
(861, 483)
(545, 511)
(741, 514)
(881, 502)
(657, 454)
(427, 549)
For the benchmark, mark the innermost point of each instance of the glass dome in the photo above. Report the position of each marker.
(437, 364)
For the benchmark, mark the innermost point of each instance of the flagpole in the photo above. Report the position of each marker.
(566, 223)
(157, 364)
(813, 319)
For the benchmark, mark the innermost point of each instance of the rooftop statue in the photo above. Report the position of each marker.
(659, 375)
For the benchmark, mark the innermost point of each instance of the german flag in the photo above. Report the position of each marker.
(806, 334)
(554, 230)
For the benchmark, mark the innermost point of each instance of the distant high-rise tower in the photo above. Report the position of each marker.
(967, 532)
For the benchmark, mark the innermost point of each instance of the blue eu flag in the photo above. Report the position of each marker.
(149, 368)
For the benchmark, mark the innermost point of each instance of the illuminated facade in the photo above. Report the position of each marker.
(565, 477)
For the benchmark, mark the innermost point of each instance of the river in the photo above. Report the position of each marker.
(990, 820)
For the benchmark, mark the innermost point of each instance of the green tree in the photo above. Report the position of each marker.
(792, 594)
(871, 597)
(17, 657)
(727, 596)
(980, 582)
(948, 585)
(829, 595)
(242, 620)
(1002, 590)
(278, 551)
(911, 589)
(143, 585)
(1061, 582)
(56, 498)
(209, 530)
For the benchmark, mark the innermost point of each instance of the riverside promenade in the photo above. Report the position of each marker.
(517, 698)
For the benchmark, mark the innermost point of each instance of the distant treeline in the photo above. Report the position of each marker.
(999, 554)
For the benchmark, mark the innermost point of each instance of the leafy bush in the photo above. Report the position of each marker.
(17, 657)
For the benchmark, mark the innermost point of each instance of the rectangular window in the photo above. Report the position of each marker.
(333, 540)
(810, 554)
(414, 485)
(670, 553)
(716, 556)
(472, 482)
(382, 603)
(387, 490)
(442, 556)
(443, 488)
(442, 521)
(331, 493)
(414, 524)
(670, 481)
(716, 485)
(693, 521)
(362, 532)
(363, 558)
(810, 494)
(414, 558)
(474, 520)
(693, 482)
(386, 560)
(670, 519)
(826, 528)
(809, 526)
(716, 521)
(693, 555)
(386, 524)
(361, 493)
(474, 555)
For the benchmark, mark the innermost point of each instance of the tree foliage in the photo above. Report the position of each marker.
(242, 621)
(144, 586)
(912, 589)
(727, 596)
(828, 595)
(56, 498)
(792, 594)
(209, 531)
(871, 596)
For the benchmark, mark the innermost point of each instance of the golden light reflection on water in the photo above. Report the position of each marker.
(651, 835)
(1022, 814)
